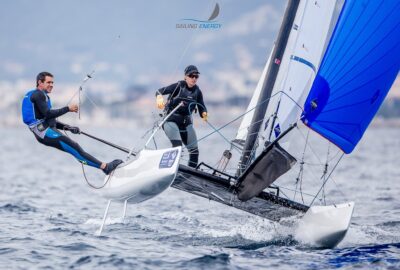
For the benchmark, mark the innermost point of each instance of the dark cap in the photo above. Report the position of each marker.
(191, 69)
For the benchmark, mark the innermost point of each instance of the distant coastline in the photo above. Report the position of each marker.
(377, 122)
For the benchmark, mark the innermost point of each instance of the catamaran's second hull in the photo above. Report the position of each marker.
(322, 226)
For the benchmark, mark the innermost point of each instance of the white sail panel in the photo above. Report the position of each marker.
(300, 64)
(244, 125)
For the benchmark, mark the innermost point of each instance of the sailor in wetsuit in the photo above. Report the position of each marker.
(179, 126)
(40, 117)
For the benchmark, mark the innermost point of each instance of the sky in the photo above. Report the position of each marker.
(132, 40)
(127, 43)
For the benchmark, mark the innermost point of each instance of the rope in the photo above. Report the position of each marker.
(300, 175)
(320, 161)
(323, 184)
(238, 117)
(84, 173)
(97, 187)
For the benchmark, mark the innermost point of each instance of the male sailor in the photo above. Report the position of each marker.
(40, 117)
(179, 126)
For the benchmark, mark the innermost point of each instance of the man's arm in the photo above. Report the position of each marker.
(39, 99)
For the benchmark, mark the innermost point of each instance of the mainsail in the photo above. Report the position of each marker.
(268, 84)
(246, 121)
(358, 69)
(298, 67)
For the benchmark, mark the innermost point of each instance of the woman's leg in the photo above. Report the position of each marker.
(172, 131)
(192, 146)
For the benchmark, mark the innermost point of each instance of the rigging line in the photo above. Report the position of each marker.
(84, 173)
(155, 124)
(325, 171)
(253, 151)
(314, 174)
(229, 142)
(97, 187)
(247, 127)
(274, 117)
(323, 184)
(187, 46)
(241, 115)
(91, 101)
(290, 189)
(345, 65)
(311, 148)
(212, 126)
(87, 77)
(283, 193)
(314, 152)
(339, 189)
(301, 170)
(294, 101)
(216, 130)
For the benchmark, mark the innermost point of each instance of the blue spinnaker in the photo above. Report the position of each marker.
(360, 65)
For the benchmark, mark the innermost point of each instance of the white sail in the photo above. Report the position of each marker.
(299, 65)
(246, 121)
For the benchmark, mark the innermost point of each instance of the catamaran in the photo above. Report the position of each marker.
(332, 79)
(330, 69)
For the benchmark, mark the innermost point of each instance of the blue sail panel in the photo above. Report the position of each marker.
(359, 67)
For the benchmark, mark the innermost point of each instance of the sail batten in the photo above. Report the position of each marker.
(360, 65)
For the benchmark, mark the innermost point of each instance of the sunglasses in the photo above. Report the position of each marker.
(193, 76)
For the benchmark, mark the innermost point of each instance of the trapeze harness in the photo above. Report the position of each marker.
(38, 115)
(180, 123)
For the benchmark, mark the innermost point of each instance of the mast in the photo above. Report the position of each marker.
(269, 82)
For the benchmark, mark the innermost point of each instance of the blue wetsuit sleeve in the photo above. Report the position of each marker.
(39, 99)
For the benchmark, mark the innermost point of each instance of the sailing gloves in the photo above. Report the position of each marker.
(74, 130)
(160, 102)
(204, 115)
(161, 105)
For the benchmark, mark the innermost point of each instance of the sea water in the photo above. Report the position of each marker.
(49, 216)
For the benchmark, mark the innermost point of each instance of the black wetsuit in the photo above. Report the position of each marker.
(51, 135)
(192, 99)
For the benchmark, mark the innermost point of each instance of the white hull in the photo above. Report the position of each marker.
(325, 226)
(143, 178)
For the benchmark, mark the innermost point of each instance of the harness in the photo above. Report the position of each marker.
(182, 116)
(29, 117)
